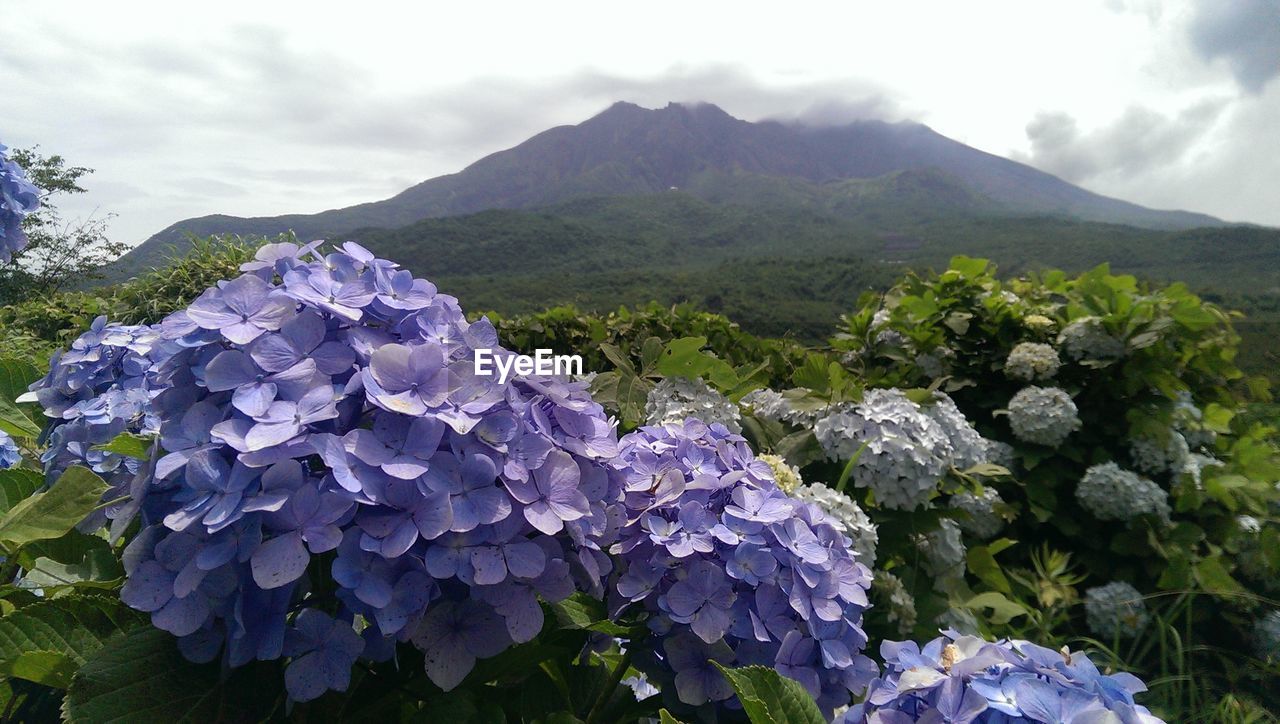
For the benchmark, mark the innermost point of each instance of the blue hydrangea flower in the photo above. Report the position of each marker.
(19, 198)
(964, 679)
(732, 569)
(326, 403)
(9, 453)
(98, 388)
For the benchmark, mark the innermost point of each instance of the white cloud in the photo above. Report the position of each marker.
(185, 110)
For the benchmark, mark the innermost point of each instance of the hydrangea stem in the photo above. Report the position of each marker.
(606, 694)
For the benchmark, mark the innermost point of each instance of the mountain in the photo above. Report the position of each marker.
(865, 170)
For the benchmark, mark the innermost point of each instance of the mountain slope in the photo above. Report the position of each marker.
(629, 150)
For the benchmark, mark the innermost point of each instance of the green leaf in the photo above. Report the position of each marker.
(52, 513)
(72, 626)
(16, 376)
(47, 668)
(664, 717)
(16, 422)
(16, 485)
(848, 468)
(982, 563)
(1213, 577)
(129, 445)
(75, 559)
(143, 677)
(684, 358)
(1002, 609)
(583, 612)
(770, 698)
(800, 448)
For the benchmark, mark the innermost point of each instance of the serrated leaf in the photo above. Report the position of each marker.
(75, 559)
(129, 445)
(47, 668)
(73, 626)
(142, 677)
(770, 698)
(52, 513)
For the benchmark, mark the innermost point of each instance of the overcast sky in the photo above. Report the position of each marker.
(254, 108)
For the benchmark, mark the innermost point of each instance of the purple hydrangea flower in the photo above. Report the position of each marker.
(242, 309)
(734, 570)
(323, 651)
(19, 198)
(325, 403)
(9, 453)
(964, 679)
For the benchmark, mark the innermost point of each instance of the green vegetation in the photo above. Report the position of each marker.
(1205, 578)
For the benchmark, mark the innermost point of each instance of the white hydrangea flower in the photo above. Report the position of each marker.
(1088, 339)
(934, 364)
(1116, 609)
(968, 446)
(1248, 524)
(786, 476)
(1032, 362)
(773, 405)
(1043, 415)
(960, 620)
(906, 452)
(983, 521)
(1110, 492)
(1188, 419)
(846, 515)
(1154, 456)
(676, 398)
(943, 551)
(891, 338)
(1196, 464)
(587, 377)
(900, 607)
(1266, 636)
(1038, 323)
(1000, 453)
(880, 318)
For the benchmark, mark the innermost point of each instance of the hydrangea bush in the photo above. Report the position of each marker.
(1115, 406)
(734, 571)
(320, 417)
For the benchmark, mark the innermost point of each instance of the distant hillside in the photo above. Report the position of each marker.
(629, 150)
(796, 268)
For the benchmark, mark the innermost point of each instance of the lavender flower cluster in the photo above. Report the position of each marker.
(327, 403)
(963, 679)
(19, 198)
(95, 390)
(10, 455)
(734, 571)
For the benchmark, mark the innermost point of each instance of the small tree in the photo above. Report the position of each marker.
(61, 252)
